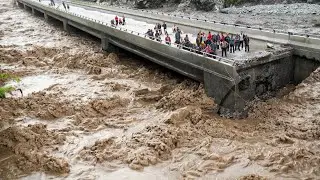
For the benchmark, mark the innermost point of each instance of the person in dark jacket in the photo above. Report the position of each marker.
(198, 41)
(150, 34)
(123, 20)
(227, 38)
(186, 39)
(157, 35)
(224, 46)
(246, 43)
(159, 28)
(232, 44)
(178, 36)
(164, 25)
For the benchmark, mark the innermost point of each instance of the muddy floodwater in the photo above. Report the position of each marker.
(87, 114)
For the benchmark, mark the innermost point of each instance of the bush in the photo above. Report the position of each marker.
(6, 89)
(228, 3)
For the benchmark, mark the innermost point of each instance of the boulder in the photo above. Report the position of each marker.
(269, 45)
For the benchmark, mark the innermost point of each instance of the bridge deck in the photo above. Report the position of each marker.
(142, 25)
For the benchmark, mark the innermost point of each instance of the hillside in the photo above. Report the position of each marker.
(200, 5)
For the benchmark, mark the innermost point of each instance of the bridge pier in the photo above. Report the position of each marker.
(20, 5)
(46, 18)
(33, 11)
(106, 45)
(225, 91)
(66, 26)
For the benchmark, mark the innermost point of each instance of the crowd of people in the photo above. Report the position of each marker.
(227, 42)
(157, 32)
(118, 21)
(209, 43)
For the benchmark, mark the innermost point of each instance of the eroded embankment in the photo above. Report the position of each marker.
(97, 115)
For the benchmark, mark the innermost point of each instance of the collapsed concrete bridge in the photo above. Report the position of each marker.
(232, 83)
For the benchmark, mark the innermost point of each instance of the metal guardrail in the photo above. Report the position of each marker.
(270, 30)
(233, 62)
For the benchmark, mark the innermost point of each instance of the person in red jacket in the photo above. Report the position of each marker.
(222, 38)
(117, 20)
(168, 39)
(209, 36)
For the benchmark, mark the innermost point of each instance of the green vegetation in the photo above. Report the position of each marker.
(7, 77)
(228, 3)
(6, 89)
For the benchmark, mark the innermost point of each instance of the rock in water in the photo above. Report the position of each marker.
(269, 45)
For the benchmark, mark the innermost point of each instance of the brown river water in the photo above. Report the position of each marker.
(87, 114)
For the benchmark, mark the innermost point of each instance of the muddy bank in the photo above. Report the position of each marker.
(91, 115)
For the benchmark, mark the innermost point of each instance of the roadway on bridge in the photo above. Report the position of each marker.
(257, 48)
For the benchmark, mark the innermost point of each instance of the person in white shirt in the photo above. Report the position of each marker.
(241, 40)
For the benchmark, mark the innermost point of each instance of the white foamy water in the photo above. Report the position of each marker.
(31, 84)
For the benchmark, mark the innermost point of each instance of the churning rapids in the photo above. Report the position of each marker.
(87, 114)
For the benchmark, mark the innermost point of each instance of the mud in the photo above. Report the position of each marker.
(88, 114)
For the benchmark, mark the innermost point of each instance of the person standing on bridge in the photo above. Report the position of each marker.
(246, 43)
(237, 42)
(232, 44)
(120, 21)
(209, 36)
(198, 40)
(159, 27)
(224, 46)
(117, 20)
(174, 29)
(158, 37)
(168, 39)
(204, 38)
(123, 20)
(164, 25)
(178, 37)
(218, 40)
(214, 48)
(241, 40)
